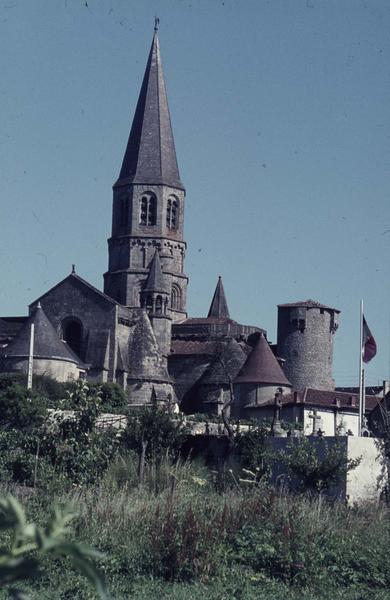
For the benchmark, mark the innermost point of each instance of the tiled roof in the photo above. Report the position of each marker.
(228, 360)
(262, 366)
(307, 304)
(327, 399)
(192, 347)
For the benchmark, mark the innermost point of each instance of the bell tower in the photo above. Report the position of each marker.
(148, 202)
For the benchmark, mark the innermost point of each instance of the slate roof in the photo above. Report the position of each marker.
(219, 307)
(192, 347)
(77, 279)
(308, 304)
(47, 344)
(150, 155)
(155, 281)
(9, 326)
(207, 320)
(229, 358)
(262, 366)
(327, 399)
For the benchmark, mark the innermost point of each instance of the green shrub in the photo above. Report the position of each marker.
(315, 468)
(20, 407)
(253, 449)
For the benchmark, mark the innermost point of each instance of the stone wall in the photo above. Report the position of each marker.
(305, 342)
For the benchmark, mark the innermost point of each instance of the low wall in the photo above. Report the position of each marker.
(362, 484)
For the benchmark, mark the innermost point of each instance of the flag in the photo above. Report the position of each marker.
(368, 343)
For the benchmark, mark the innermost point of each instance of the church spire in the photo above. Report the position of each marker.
(219, 307)
(150, 156)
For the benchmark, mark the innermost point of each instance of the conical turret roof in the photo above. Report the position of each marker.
(262, 366)
(219, 307)
(150, 156)
(145, 358)
(155, 281)
(47, 344)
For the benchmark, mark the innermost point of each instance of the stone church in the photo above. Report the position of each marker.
(137, 332)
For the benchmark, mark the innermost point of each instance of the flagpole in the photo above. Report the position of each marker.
(30, 358)
(361, 371)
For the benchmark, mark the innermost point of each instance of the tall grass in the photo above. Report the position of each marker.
(176, 531)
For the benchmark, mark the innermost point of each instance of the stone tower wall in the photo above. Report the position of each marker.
(132, 246)
(305, 342)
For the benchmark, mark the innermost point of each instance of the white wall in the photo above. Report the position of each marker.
(359, 485)
(330, 421)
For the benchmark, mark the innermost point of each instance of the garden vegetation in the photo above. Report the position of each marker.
(150, 520)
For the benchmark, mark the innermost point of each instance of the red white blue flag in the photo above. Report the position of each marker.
(368, 343)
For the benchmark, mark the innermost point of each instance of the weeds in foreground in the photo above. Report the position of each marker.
(176, 529)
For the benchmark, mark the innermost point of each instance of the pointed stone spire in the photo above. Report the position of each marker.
(145, 359)
(155, 281)
(219, 307)
(150, 156)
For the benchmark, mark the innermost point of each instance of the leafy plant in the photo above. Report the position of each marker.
(29, 542)
(154, 433)
(315, 467)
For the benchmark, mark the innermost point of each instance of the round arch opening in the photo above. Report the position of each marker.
(72, 333)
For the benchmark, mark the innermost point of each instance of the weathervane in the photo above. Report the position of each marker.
(156, 23)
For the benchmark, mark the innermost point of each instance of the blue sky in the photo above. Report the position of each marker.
(281, 119)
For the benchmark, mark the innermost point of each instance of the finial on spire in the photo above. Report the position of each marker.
(156, 23)
(73, 269)
(39, 305)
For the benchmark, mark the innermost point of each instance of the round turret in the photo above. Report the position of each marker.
(305, 343)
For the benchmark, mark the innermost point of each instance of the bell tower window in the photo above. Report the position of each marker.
(148, 210)
(172, 213)
(175, 297)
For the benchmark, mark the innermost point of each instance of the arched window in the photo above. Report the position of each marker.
(159, 305)
(149, 303)
(175, 297)
(124, 211)
(72, 333)
(172, 213)
(148, 210)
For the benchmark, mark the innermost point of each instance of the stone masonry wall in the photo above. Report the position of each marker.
(307, 348)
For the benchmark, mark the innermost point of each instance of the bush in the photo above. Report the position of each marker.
(113, 398)
(20, 407)
(315, 468)
(253, 450)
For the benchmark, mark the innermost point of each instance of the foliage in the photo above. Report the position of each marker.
(21, 560)
(252, 448)
(113, 398)
(161, 432)
(380, 425)
(20, 407)
(315, 468)
(72, 443)
(247, 540)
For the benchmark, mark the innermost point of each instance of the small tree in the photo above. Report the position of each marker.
(315, 468)
(153, 432)
(253, 449)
